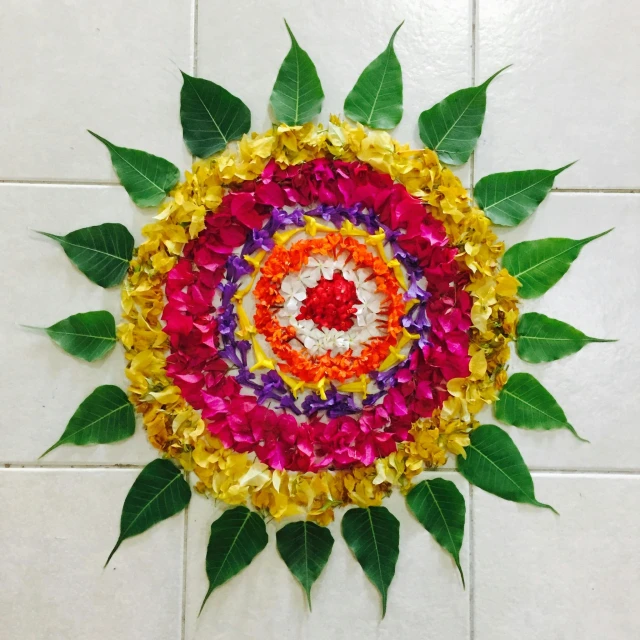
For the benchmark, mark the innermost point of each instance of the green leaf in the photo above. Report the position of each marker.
(510, 198)
(237, 537)
(305, 548)
(297, 93)
(159, 492)
(452, 127)
(89, 336)
(539, 264)
(211, 117)
(440, 508)
(544, 339)
(494, 464)
(524, 402)
(105, 416)
(102, 252)
(145, 177)
(373, 534)
(376, 98)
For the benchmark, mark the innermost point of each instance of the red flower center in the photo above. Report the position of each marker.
(331, 303)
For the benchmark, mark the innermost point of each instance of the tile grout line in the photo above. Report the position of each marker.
(57, 183)
(446, 470)
(194, 62)
(54, 466)
(471, 568)
(183, 621)
(474, 15)
(36, 182)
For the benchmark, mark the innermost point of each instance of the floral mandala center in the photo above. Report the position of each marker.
(331, 303)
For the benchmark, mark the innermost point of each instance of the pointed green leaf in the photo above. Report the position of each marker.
(376, 98)
(88, 336)
(452, 127)
(297, 93)
(524, 402)
(305, 548)
(440, 508)
(539, 264)
(544, 339)
(102, 252)
(159, 492)
(510, 198)
(105, 416)
(494, 464)
(373, 534)
(146, 178)
(237, 537)
(211, 117)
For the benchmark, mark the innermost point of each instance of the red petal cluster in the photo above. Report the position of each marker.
(331, 303)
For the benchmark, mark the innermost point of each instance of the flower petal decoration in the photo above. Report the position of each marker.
(510, 198)
(376, 98)
(146, 178)
(524, 402)
(315, 316)
(440, 508)
(373, 534)
(544, 339)
(102, 252)
(159, 492)
(210, 116)
(297, 93)
(237, 537)
(305, 548)
(452, 127)
(539, 264)
(89, 336)
(105, 416)
(494, 464)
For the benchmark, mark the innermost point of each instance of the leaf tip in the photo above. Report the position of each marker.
(393, 35)
(49, 450)
(98, 137)
(546, 506)
(464, 584)
(204, 601)
(118, 543)
(495, 75)
(293, 38)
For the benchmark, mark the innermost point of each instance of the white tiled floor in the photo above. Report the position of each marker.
(114, 67)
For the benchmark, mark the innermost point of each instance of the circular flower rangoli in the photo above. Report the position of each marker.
(335, 316)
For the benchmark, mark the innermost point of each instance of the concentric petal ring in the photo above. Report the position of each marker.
(252, 427)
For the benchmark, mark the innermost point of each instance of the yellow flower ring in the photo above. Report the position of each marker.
(179, 430)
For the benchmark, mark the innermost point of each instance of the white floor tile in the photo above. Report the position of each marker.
(112, 67)
(599, 295)
(569, 95)
(265, 601)
(434, 48)
(56, 531)
(42, 385)
(539, 576)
